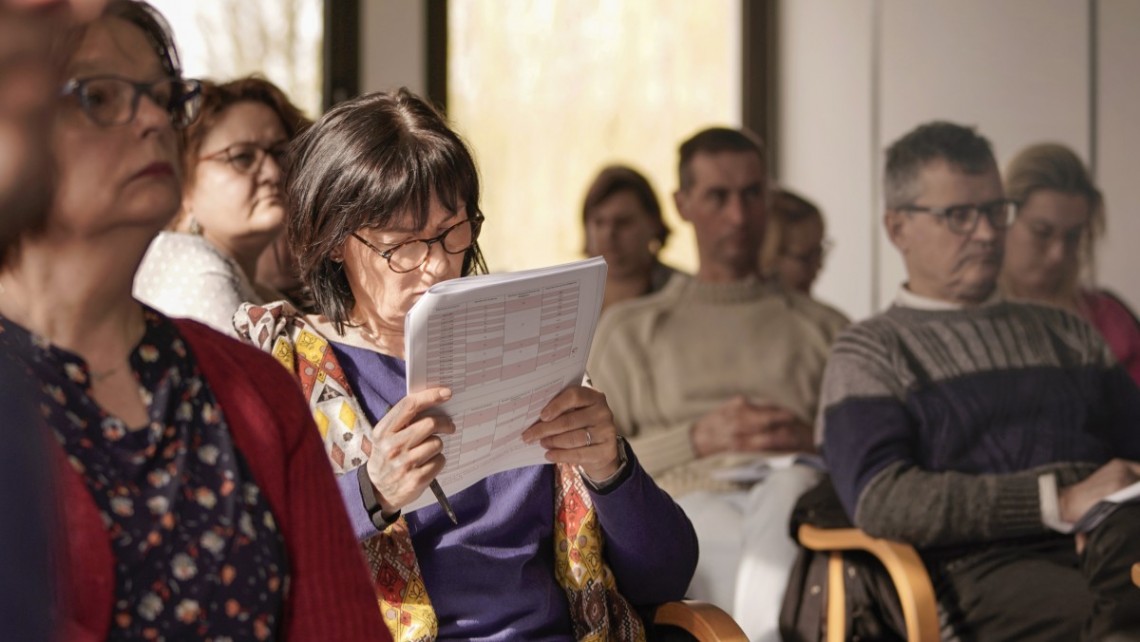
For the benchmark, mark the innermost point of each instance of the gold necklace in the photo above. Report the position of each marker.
(97, 377)
(102, 375)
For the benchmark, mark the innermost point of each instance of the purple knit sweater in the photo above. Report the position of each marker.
(492, 576)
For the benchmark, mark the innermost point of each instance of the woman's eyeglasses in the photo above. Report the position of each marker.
(113, 100)
(247, 157)
(411, 254)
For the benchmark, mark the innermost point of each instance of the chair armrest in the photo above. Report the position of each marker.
(705, 622)
(1136, 574)
(912, 582)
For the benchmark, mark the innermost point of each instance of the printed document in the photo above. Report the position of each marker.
(505, 344)
(1106, 507)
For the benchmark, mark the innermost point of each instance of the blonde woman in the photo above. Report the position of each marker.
(1050, 248)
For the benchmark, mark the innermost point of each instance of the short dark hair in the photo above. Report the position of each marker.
(364, 164)
(959, 146)
(791, 208)
(622, 178)
(715, 140)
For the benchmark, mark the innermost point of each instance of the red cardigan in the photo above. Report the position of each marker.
(330, 596)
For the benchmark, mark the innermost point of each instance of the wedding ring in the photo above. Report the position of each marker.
(589, 439)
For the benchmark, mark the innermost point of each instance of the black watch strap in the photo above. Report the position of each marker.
(623, 473)
(371, 504)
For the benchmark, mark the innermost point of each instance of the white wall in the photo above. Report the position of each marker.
(857, 75)
(825, 137)
(392, 42)
(1118, 144)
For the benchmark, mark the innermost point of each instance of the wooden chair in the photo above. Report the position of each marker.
(1136, 574)
(701, 621)
(912, 583)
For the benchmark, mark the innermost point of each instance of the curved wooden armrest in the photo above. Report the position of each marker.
(706, 622)
(1136, 574)
(912, 583)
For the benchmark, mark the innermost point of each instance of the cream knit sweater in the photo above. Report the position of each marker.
(667, 359)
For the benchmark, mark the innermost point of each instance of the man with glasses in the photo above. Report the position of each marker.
(981, 430)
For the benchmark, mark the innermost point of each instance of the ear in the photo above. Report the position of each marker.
(894, 222)
(681, 202)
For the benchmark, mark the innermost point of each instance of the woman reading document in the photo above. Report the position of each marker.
(383, 203)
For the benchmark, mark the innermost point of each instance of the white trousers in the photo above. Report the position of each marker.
(746, 553)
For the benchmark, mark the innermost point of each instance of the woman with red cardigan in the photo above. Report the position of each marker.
(193, 497)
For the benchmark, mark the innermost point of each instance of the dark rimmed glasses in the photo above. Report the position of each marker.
(114, 100)
(963, 219)
(411, 254)
(248, 157)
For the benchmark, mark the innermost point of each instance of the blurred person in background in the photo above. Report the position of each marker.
(623, 223)
(31, 32)
(794, 245)
(1050, 250)
(232, 208)
(194, 502)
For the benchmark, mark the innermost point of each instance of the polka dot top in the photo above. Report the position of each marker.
(185, 276)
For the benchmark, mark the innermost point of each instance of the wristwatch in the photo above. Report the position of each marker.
(371, 504)
(619, 474)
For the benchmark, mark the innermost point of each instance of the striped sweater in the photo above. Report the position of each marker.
(938, 423)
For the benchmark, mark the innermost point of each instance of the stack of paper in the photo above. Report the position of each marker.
(505, 344)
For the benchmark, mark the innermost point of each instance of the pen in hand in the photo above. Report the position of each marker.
(443, 502)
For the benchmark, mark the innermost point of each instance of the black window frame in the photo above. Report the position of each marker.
(758, 68)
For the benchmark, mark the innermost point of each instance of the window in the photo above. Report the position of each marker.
(278, 39)
(548, 92)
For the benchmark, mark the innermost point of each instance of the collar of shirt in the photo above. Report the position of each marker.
(907, 299)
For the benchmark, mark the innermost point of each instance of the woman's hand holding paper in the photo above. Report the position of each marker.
(407, 454)
(577, 427)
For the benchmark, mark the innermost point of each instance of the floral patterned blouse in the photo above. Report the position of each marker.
(197, 551)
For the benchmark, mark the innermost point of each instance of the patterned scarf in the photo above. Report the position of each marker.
(598, 611)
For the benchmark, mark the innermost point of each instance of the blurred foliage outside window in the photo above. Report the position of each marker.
(277, 39)
(547, 92)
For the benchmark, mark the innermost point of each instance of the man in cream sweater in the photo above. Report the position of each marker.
(711, 376)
